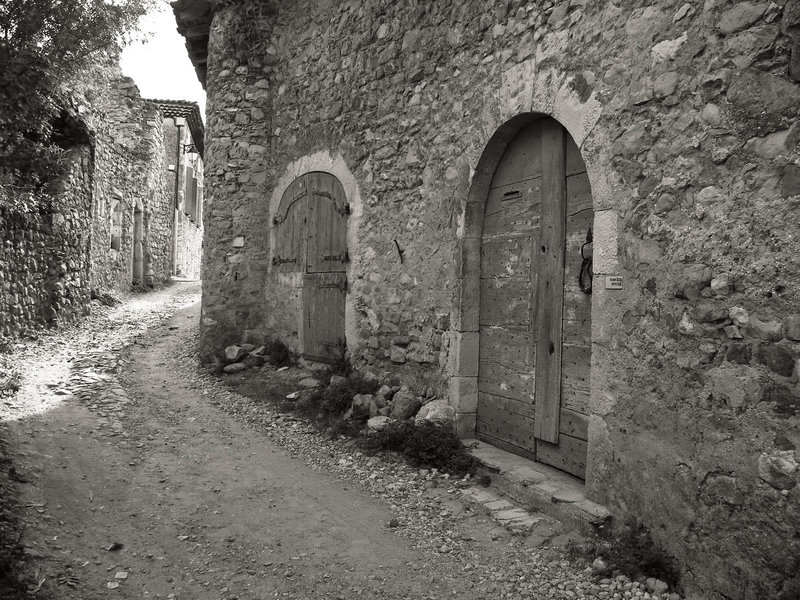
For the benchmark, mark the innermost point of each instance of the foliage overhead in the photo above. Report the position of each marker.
(43, 44)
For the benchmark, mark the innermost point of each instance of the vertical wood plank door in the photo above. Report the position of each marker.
(535, 322)
(310, 231)
(325, 279)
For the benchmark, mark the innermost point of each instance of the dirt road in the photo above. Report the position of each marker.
(138, 485)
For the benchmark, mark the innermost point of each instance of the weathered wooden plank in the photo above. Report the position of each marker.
(513, 406)
(510, 348)
(579, 194)
(492, 419)
(505, 303)
(504, 445)
(522, 158)
(574, 424)
(327, 226)
(550, 285)
(569, 455)
(506, 256)
(323, 315)
(576, 377)
(290, 230)
(501, 380)
(513, 207)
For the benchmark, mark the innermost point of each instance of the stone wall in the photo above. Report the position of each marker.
(44, 262)
(130, 175)
(53, 260)
(686, 115)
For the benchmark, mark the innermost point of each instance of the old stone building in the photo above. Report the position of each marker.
(430, 184)
(183, 151)
(127, 213)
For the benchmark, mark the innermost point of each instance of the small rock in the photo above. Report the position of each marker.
(361, 407)
(791, 327)
(599, 566)
(309, 383)
(720, 285)
(248, 347)
(741, 16)
(234, 367)
(405, 403)
(234, 353)
(378, 423)
(437, 411)
(778, 469)
(739, 316)
(770, 331)
(777, 358)
(121, 575)
(733, 333)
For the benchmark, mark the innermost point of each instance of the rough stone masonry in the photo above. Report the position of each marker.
(686, 117)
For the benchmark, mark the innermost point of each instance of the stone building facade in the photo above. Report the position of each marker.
(183, 150)
(419, 174)
(117, 218)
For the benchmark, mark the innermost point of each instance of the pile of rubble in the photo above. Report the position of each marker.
(389, 403)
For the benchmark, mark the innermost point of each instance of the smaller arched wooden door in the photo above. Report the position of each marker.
(311, 238)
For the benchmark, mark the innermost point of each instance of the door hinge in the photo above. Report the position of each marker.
(343, 257)
(279, 260)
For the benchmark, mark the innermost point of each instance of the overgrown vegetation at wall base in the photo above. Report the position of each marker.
(425, 445)
(332, 401)
(42, 44)
(631, 551)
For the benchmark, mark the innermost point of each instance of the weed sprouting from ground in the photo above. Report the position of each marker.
(631, 551)
(279, 353)
(426, 445)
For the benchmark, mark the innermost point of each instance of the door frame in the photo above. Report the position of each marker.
(465, 348)
(292, 284)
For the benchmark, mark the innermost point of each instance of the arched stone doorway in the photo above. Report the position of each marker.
(529, 213)
(310, 228)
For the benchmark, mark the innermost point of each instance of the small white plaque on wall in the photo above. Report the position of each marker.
(613, 282)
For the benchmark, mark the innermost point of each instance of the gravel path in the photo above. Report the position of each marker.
(121, 439)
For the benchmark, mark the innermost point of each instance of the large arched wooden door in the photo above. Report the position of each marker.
(535, 322)
(311, 238)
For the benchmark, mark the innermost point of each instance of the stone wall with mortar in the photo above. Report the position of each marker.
(53, 260)
(686, 115)
(129, 171)
(44, 256)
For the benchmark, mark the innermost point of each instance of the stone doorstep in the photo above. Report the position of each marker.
(508, 515)
(540, 488)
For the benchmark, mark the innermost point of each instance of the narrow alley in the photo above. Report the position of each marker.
(139, 483)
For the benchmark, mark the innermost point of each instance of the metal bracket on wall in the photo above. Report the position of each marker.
(279, 260)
